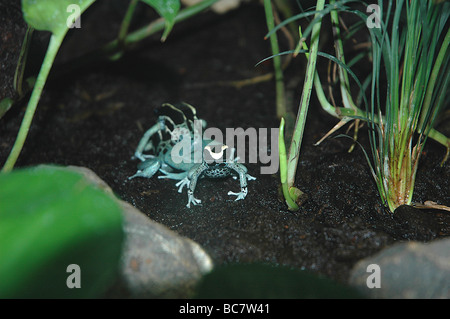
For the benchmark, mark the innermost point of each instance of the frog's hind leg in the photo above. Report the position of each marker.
(147, 168)
(191, 181)
(243, 178)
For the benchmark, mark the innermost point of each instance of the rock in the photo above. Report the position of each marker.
(156, 261)
(406, 270)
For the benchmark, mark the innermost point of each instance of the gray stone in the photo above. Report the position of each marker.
(407, 270)
(156, 262)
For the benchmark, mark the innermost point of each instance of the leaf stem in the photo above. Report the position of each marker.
(127, 20)
(279, 83)
(294, 150)
(20, 69)
(283, 168)
(53, 47)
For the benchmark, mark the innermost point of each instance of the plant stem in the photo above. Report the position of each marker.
(159, 24)
(127, 20)
(339, 48)
(279, 83)
(20, 69)
(53, 47)
(124, 29)
(294, 150)
(292, 205)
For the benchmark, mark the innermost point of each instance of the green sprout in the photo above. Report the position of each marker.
(288, 165)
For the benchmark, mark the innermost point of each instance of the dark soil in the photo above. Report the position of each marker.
(95, 117)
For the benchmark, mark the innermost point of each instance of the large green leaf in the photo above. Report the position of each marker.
(167, 9)
(53, 15)
(51, 218)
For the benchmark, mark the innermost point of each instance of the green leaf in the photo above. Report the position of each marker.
(167, 9)
(51, 218)
(53, 15)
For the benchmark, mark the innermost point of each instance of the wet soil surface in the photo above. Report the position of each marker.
(95, 117)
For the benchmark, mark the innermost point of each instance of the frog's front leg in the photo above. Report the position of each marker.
(193, 175)
(243, 178)
(147, 168)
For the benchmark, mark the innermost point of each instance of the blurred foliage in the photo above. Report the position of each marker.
(50, 218)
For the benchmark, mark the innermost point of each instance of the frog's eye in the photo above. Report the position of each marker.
(214, 155)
